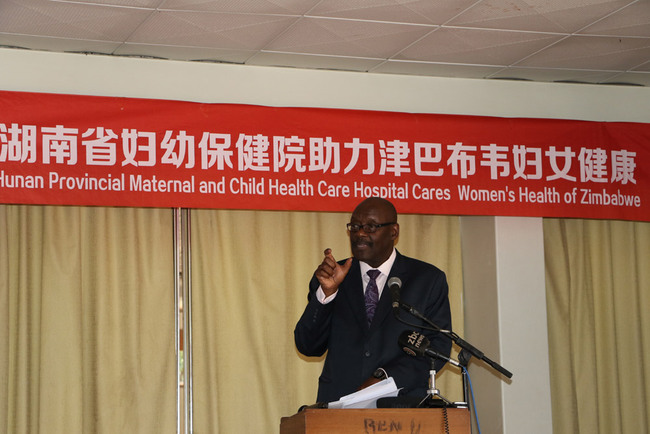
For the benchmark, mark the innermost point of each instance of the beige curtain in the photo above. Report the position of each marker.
(86, 320)
(598, 296)
(250, 275)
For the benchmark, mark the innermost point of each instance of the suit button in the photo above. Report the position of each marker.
(367, 354)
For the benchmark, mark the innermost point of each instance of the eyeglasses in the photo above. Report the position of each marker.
(368, 227)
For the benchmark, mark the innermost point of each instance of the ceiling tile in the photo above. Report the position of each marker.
(71, 21)
(215, 30)
(484, 47)
(293, 60)
(592, 52)
(630, 21)
(184, 53)
(401, 11)
(435, 69)
(637, 78)
(57, 44)
(554, 75)
(347, 37)
(563, 16)
(290, 7)
(644, 67)
(150, 4)
(590, 41)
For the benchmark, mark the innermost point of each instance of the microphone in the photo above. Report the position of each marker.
(394, 285)
(417, 344)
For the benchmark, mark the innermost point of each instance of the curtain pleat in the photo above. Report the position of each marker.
(598, 297)
(250, 275)
(87, 333)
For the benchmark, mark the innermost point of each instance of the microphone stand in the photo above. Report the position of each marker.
(469, 350)
(463, 360)
(433, 391)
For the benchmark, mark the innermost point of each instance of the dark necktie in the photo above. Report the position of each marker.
(372, 294)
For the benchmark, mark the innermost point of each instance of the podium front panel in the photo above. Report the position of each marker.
(385, 420)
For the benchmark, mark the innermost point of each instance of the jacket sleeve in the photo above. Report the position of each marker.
(312, 331)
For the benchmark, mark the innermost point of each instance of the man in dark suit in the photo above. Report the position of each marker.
(362, 352)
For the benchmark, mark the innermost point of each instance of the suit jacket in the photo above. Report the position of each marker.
(355, 350)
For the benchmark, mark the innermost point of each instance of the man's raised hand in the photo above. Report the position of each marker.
(330, 274)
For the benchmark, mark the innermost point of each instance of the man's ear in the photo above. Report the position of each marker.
(395, 231)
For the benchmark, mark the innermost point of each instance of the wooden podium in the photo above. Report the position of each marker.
(396, 420)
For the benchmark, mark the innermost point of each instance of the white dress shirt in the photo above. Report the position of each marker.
(381, 279)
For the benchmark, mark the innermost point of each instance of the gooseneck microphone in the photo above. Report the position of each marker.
(417, 344)
(394, 285)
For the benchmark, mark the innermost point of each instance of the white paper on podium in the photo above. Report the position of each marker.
(367, 398)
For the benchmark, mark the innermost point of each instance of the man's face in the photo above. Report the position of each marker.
(373, 248)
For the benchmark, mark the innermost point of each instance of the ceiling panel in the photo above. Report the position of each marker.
(556, 75)
(483, 47)
(633, 20)
(145, 4)
(338, 63)
(59, 44)
(277, 7)
(593, 52)
(347, 37)
(563, 16)
(645, 67)
(406, 11)
(436, 69)
(213, 30)
(590, 41)
(629, 77)
(67, 20)
(184, 53)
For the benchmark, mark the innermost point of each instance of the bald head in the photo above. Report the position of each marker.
(380, 205)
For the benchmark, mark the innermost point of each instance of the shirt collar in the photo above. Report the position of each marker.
(384, 268)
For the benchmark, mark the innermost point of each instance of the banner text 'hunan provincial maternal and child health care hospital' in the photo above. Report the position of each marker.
(104, 151)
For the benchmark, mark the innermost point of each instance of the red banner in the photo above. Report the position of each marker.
(82, 150)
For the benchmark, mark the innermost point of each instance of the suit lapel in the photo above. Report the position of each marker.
(353, 291)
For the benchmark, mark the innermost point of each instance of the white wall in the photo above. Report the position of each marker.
(505, 317)
(219, 83)
(505, 246)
